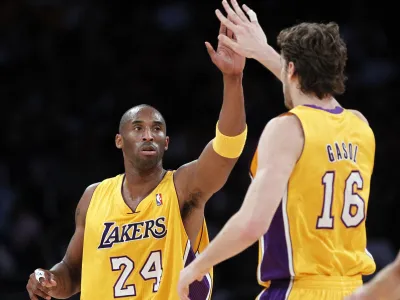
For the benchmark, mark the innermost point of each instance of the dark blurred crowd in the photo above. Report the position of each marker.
(69, 70)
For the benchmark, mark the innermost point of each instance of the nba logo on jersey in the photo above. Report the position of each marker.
(158, 199)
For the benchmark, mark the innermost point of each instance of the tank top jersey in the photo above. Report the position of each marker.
(138, 254)
(319, 227)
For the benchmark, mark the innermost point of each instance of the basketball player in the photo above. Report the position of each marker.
(136, 231)
(311, 173)
(384, 286)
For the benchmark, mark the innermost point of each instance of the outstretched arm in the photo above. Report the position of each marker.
(206, 175)
(279, 148)
(251, 41)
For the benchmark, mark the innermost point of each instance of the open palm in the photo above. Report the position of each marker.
(228, 61)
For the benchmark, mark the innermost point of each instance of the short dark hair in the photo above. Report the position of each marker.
(319, 55)
(127, 116)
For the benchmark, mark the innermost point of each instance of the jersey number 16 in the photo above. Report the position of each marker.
(350, 199)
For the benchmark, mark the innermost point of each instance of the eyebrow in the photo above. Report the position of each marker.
(135, 122)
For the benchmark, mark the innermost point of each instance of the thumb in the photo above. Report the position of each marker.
(53, 281)
(210, 50)
(200, 277)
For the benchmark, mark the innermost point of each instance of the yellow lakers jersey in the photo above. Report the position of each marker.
(138, 254)
(319, 227)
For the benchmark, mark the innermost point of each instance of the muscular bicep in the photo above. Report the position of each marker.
(198, 180)
(211, 171)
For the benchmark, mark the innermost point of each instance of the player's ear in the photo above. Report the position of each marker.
(118, 141)
(166, 143)
(291, 70)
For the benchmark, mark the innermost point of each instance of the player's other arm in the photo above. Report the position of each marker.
(206, 175)
(63, 280)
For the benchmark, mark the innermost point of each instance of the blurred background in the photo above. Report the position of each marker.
(70, 69)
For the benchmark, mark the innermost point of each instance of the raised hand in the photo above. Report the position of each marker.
(250, 40)
(42, 286)
(227, 60)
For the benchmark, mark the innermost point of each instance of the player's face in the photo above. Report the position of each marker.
(144, 139)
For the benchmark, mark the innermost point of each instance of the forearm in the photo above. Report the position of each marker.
(68, 281)
(232, 240)
(270, 59)
(232, 118)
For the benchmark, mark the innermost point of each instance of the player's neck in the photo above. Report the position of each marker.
(326, 103)
(139, 184)
(139, 178)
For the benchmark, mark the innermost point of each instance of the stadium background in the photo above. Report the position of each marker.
(69, 70)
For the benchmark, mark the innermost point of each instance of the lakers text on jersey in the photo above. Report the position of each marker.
(138, 254)
(317, 236)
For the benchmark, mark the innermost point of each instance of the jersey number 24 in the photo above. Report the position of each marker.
(152, 270)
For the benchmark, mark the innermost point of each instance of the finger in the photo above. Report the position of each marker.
(53, 281)
(30, 291)
(32, 296)
(226, 22)
(239, 11)
(251, 13)
(210, 50)
(37, 286)
(46, 281)
(228, 42)
(185, 293)
(41, 276)
(231, 13)
(200, 278)
(42, 294)
(229, 33)
(37, 290)
(222, 29)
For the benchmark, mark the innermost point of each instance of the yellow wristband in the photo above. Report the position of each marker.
(229, 146)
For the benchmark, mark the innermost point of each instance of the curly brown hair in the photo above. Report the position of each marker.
(319, 55)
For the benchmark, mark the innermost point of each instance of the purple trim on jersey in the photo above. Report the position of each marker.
(275, 261)
(276, 291)
(336, 110)
(198, 290)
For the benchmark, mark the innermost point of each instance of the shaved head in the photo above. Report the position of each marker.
(130, 114)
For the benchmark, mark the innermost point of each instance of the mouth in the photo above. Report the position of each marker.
(148, 150)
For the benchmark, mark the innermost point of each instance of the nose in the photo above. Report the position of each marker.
(147, 135)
